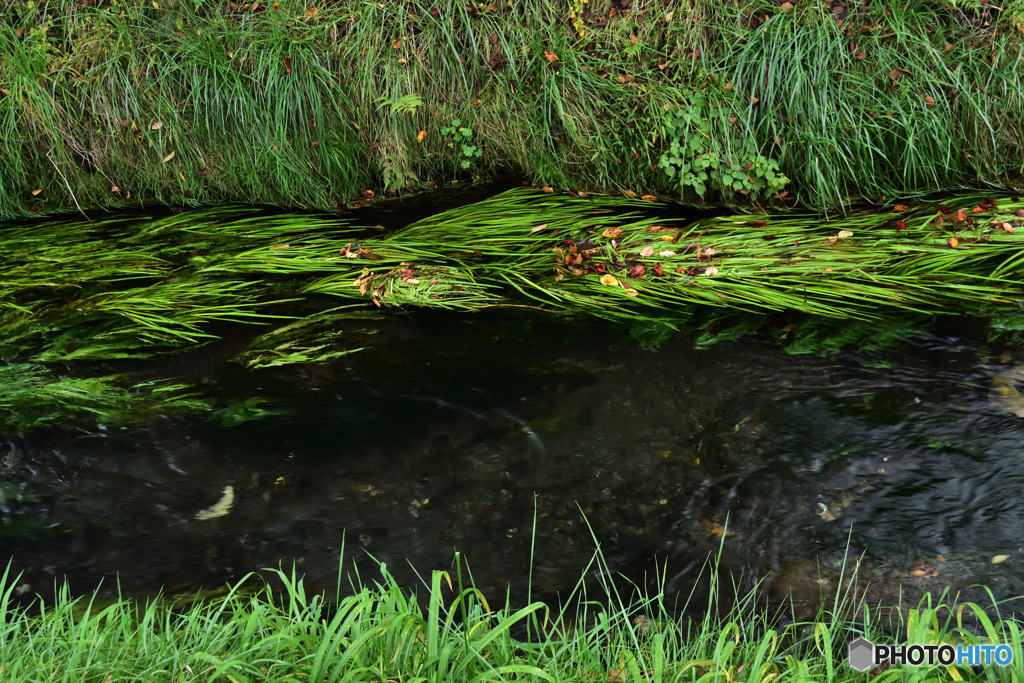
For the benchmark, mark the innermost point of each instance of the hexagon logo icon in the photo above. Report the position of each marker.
(862, 654)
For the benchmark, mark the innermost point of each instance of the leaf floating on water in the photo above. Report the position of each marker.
(538, 228)
(609, 280)
(221, 507)
(999, 559)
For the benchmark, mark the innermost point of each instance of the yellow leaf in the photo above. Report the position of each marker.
(156, 4)
(422, 136)
(953, 242)
(649, 198)
(609, 280)
(156, 125)
(548, 189)
(35, 193)
(999, 559)
(901, 207)
(182, 176)
(538, 228)
(168, 157)
(629, 193)
(611, 232)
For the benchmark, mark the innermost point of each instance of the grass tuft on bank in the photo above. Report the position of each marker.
(303, 104)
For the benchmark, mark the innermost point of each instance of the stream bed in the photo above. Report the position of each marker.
(523, 442)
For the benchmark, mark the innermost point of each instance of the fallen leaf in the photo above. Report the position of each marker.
(953, 242)
(667, 253)
(647, 251)
(940, 558)
(786, 6)
(1007, 227)
(832, 238)
(628, 193)
(538, 228)
(901, 207)
(168, 157)
(658, 269)
(182, 176)
(547, 189)
(999, 559)
(157, 125)
(712, 271)
(637, 271)
(422, 135)
(550, 56)
(845, 233)
(412, 281)
(115, 188)
(288, 64)
(611, 232)
(929, 101)
(36, 193)
(649, 198)
(277, 247)
(710, 251)
(900, 225)
(609, 280)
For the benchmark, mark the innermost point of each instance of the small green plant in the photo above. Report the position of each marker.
(459, 136)
(699, 167)
(406, 104)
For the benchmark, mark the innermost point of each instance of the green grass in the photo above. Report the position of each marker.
(307, 104)
(79, 299)
(272, 627)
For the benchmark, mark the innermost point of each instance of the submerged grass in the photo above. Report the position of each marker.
(75, 298)
(296, 103)
(449, 631)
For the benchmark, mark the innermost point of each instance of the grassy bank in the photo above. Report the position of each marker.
(375, 630)
(297, 103)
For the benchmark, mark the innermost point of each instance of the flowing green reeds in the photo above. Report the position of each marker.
(76, 297)
(305, 104)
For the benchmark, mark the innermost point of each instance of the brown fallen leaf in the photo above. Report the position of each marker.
(611, 232)
(547, 189)
(649, 198)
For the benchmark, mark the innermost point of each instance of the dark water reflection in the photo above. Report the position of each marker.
(452, 431)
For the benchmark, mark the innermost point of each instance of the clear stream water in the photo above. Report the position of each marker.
(502, 435)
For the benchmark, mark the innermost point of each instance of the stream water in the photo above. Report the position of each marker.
(514, 438)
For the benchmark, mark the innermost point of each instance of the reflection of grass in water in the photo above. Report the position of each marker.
(285, 629)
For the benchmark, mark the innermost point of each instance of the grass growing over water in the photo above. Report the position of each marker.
(375, 630)
(296, 103)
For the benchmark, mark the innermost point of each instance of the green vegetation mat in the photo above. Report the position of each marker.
(294, 103)
(88, 308)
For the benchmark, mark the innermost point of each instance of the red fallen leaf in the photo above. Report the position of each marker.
(637, 271)
(900, 225)
(961, 215)
(288, 64)
(314, 144)
(658, 269)
(979, 208)
(759, 224)
(203, 171)
(550, 56)
(1007, 227)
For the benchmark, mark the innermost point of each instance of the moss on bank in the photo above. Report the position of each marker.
(297, 103)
